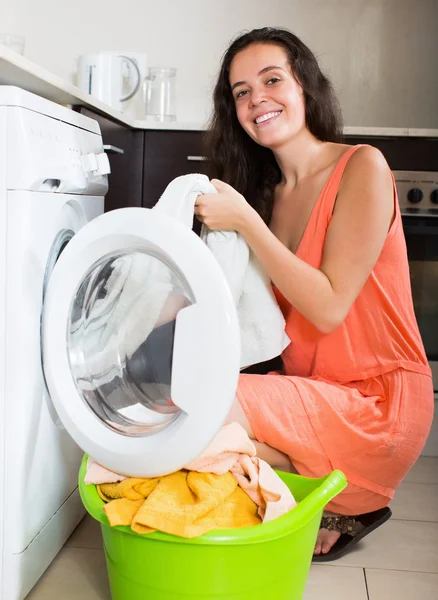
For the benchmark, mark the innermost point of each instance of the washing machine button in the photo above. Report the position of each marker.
(98, 164)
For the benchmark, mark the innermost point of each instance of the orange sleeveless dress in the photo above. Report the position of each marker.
(359, 399)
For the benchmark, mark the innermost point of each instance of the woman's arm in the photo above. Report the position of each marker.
(355, 237)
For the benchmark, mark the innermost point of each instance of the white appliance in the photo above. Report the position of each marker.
(53, 178)
(417, 193)
(111, 77)
(127, 316)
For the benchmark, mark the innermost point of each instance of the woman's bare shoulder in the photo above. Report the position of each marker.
(367, 164)
(367, 157)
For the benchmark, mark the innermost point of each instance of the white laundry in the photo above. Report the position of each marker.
(117, 324)
(262, 326)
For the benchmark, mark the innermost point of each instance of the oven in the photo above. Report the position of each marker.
(418, 198)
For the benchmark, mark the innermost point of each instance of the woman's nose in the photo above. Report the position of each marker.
(258, 96)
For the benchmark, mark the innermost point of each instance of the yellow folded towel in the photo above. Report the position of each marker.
(185, 503)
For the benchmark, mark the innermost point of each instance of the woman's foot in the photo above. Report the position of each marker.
(338, 534)
(326, 538)
(335, 525)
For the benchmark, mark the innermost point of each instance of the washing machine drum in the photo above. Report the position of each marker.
(140, 342)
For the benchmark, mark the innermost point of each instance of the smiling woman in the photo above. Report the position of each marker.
(323, 220)
(274, 51)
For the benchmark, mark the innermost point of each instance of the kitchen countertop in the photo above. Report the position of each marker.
(20, 71)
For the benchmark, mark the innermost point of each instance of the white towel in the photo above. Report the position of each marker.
(262, 326)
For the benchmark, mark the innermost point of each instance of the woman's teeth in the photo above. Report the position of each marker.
(266, 117)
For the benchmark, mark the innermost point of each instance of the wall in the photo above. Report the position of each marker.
(381, 54)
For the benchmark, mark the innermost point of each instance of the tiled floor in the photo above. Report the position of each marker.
(399, 561)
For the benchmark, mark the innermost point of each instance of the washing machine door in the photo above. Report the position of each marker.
(141, 342)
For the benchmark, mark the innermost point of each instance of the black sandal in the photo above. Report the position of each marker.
(352, 529)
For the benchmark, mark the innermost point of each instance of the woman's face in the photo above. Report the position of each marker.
(269, 101)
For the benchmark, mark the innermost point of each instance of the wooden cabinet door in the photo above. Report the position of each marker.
(169, 154)
(126, 178)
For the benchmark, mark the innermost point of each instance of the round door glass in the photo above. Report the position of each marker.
(120, 340)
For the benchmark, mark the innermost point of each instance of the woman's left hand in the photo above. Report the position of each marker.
(227, 210)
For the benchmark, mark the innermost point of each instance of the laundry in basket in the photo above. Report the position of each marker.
(227, 486)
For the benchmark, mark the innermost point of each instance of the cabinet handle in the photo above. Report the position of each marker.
(197, 158)
(114, 149)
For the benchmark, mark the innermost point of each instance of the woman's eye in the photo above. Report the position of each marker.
(240, 94)
(273, 80)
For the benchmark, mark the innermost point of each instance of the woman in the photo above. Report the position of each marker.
(322, 218)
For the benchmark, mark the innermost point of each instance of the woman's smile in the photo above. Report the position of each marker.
(267, 118)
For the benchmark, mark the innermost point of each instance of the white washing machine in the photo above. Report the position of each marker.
(53, 178)
(126, 316)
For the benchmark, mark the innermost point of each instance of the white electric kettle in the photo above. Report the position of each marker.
(105, 75)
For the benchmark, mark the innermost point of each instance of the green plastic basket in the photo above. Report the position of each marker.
(269, 561)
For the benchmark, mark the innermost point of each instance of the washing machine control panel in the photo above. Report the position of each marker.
(45, 154)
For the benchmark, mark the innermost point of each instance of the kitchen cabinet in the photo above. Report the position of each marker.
(169, 154)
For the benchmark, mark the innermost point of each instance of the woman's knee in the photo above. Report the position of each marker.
(272, 456)
(275, 458)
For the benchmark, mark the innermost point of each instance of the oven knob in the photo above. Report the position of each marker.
(434, 196)
(415, 195)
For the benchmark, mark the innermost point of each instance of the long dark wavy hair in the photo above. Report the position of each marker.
(233, 156)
